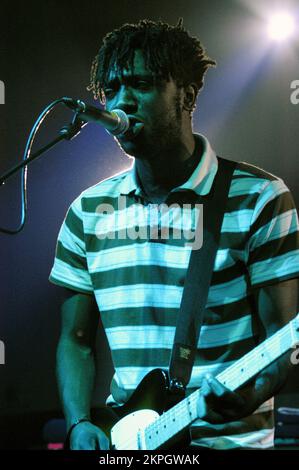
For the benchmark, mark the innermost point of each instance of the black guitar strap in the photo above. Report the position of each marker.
(198, 278)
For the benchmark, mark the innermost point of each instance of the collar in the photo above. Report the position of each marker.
(200, 181)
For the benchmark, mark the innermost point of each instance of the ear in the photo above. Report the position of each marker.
(190, 94)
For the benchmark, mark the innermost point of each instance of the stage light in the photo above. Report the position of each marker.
(281, 26)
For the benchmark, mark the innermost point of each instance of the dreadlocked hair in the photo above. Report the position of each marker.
(168, 51)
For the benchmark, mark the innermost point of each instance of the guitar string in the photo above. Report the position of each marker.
(180, 409)
(281, 336)
(263, 350)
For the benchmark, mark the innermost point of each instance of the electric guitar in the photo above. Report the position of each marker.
(143, 424)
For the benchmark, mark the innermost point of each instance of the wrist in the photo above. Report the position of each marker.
(75, 423)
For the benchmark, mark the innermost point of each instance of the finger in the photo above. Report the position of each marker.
(216, 386)
(206, 413)
(87, 444)
(227, 397)
(103, 443)
(206, 389)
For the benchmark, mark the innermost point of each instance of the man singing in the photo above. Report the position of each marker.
(154, 72)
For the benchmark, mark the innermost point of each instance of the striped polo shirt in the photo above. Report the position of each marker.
(133, 257)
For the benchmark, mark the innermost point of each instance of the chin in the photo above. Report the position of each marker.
(130, 147)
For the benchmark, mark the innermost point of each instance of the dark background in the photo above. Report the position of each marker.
(46, 49)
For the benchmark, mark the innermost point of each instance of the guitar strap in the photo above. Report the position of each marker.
(198, 278)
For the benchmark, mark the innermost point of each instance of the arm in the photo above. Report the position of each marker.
(277, 305)
(76, 369)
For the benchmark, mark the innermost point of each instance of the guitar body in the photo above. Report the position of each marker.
(124, 424)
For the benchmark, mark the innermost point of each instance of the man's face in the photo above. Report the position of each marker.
(153, 107)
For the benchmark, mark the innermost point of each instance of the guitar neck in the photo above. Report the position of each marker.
(260, 357)
(176, 419)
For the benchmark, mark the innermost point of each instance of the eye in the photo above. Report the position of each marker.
(142, 84)
(109, 92)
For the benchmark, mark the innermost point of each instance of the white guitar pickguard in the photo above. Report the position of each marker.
(128, 433)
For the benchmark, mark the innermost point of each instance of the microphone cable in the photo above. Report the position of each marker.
(26, 156)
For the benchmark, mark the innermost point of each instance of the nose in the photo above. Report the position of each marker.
(126, 100)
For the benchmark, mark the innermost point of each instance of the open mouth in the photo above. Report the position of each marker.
(135, 128)
(133, 120)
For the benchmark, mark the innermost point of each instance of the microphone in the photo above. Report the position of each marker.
(116, 122)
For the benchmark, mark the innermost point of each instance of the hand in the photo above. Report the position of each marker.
(217, 404)
(87, 436)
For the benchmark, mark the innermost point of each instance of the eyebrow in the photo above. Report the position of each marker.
(129, 79)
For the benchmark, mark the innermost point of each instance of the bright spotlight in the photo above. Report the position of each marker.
(281, 26)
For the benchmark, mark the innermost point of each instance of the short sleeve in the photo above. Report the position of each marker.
(70, 264)
(273, 246)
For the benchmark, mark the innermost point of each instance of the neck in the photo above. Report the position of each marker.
(167, 169)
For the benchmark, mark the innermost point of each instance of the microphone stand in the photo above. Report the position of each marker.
(67, 132)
